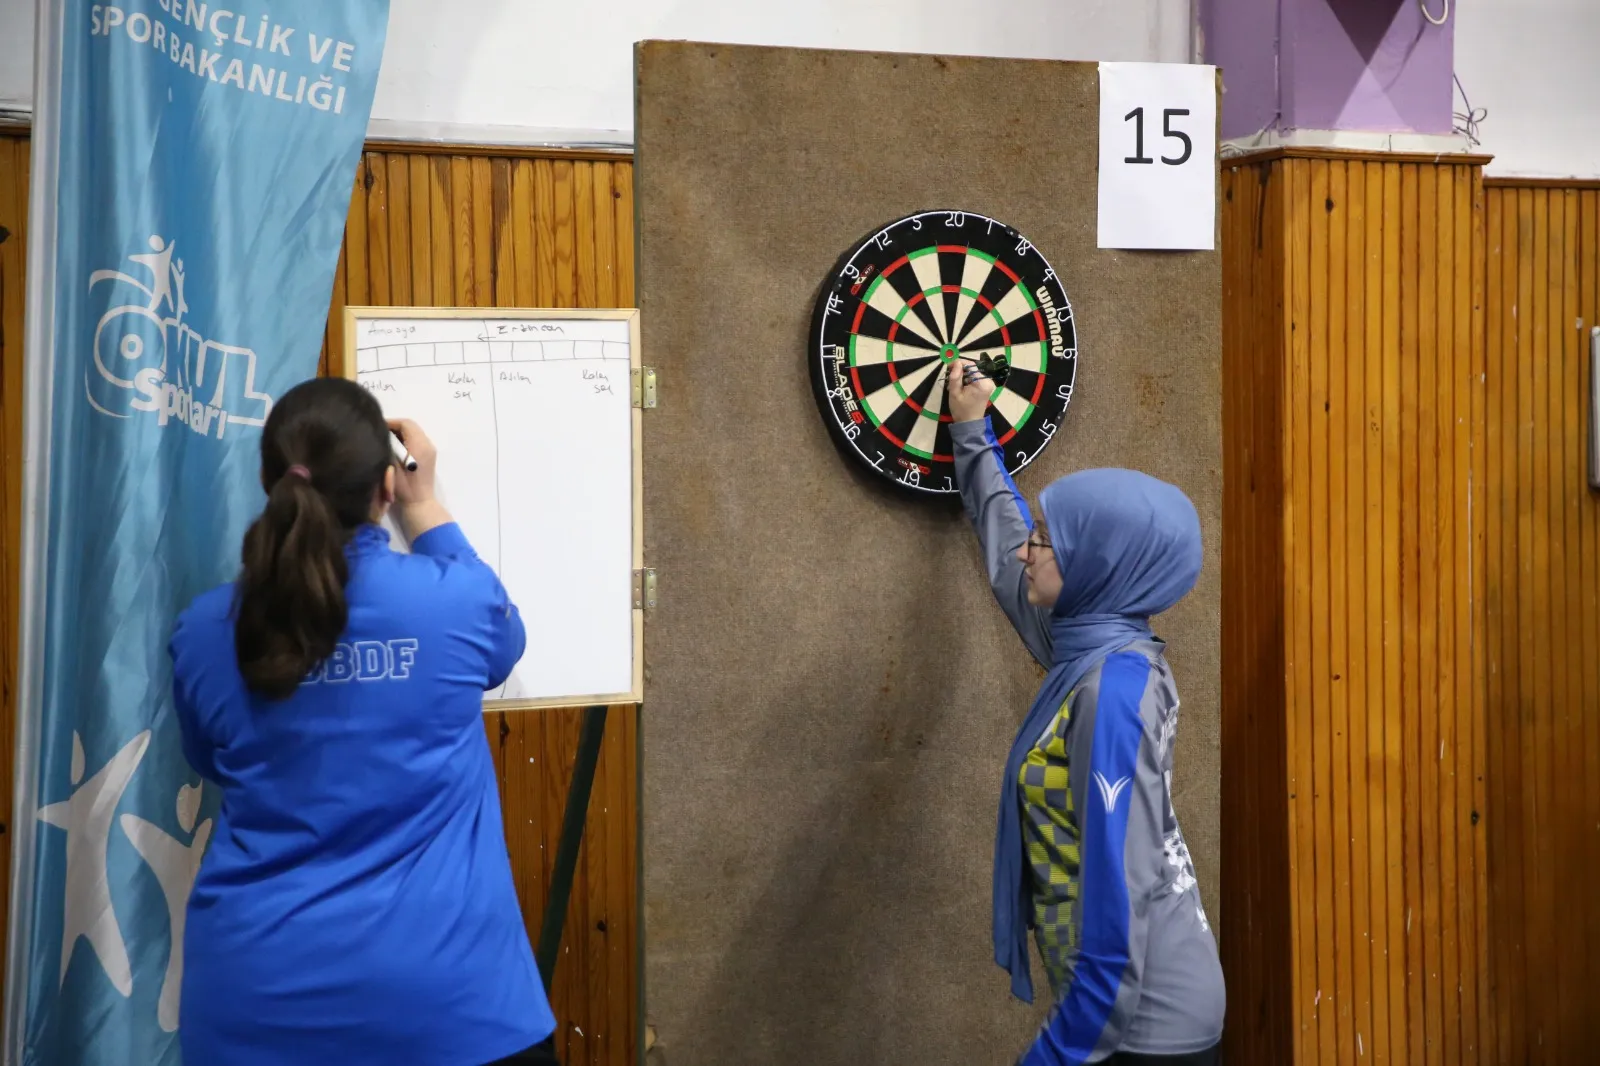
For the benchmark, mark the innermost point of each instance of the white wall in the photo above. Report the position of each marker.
(1535, 66)
(555, 64)
(16, 55)
(561, 70)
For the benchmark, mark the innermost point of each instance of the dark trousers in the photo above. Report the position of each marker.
(539, 1055)
(1210, 1057)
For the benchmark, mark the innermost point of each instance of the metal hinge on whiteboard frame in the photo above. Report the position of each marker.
(644, 589)
(644, 387)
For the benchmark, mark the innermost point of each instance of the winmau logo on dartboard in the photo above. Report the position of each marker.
(147, 358)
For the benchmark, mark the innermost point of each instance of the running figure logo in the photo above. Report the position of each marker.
(147, 358)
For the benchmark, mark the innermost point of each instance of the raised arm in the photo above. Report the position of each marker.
(490, 622)
(1118, 785)
(998, 512)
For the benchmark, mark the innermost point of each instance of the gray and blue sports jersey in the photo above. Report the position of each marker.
(1117, 913)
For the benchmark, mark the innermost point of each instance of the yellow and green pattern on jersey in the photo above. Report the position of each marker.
(1050, 827)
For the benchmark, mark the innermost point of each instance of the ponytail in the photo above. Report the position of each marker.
(289, 607)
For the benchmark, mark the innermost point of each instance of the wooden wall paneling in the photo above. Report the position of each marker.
(527, 235)
(1553, 443)
(14, 163)
(376, 184)
(1567, 471)
(1370, 540)
(477, 244)
(1391, 798)
(442, 225)
(1381, 531)
(1542, 574)
(1539, 521)
(459, 232)
(1477, 408)
(1354, 435)
(1543, 811)
(1338, 680)
(502, 224)
(1311, 407)
(566, 226)
(1495, 519)
(1256, 904)
(1587, 577)
(398, 221)
(1310, 1047)
(1518, 484)
(1280, 848)
(1504, 954)
(1527, 631)
(1472, 455)
(583, 217)
(1406, 937)
(546, 225)
(1575, 496)
(1239, 852)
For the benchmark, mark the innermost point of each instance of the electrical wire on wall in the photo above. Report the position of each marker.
(1442, 19)
(1466, 121)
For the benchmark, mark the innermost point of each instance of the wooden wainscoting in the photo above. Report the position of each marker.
(1543, 646)
(1257, 945)
(428, 227)
(1354, 433)
(14, 162)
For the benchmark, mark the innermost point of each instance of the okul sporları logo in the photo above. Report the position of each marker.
(146, 358)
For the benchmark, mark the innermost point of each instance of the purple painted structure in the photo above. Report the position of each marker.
(1367, 65)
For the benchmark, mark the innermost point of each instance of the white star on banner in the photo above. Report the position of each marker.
(175, 865)
(86, 816)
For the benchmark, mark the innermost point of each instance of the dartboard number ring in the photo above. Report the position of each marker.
(911, 299)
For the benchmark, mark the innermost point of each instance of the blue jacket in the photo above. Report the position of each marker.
(356, 903)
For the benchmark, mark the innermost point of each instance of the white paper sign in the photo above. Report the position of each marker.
(1158, 156)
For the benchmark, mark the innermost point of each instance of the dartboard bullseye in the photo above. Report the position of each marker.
(911, 299)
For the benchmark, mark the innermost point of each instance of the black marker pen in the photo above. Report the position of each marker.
(402, 456)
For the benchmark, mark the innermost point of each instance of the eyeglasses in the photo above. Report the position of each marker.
(1035, 545)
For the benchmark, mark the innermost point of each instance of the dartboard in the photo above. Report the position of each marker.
(914, 297)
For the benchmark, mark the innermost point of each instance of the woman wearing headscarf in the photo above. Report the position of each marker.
(1088, 852)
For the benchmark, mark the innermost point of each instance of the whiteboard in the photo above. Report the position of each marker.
(533, 417)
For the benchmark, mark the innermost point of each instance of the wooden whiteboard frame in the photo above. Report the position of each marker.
(345, 366)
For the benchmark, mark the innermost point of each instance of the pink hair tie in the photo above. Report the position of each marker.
(298, 471)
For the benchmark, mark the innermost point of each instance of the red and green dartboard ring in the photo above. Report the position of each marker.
(913, 297)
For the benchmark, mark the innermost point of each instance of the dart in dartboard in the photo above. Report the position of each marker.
(911, 299)
(994, 369)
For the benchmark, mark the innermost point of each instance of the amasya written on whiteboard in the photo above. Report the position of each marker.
(533, 421)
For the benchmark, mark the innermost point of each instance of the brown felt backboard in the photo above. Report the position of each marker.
(830, 690)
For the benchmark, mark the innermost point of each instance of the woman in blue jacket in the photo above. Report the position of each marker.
(356, 904)
(1089, 854)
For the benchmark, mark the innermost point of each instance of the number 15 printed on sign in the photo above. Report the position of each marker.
(1158, 156)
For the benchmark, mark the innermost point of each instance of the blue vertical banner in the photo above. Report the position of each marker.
(193, 165)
